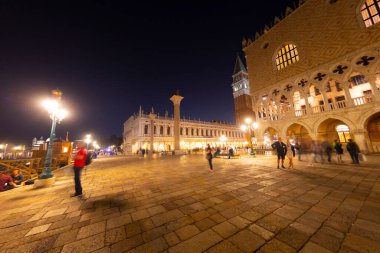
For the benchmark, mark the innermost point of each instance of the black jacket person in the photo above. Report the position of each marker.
(281, 150)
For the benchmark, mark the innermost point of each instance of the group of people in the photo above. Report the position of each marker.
(325, 148)
(10, 180)
(284, 150)
(318, 149)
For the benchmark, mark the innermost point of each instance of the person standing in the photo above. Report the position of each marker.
(79, 163)
(290, 154)
(354, 151)
(281, 152)
(339, 150)
(209, 156)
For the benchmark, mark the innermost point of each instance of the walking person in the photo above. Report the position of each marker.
(339, 150)
(298, 148)
(353, 150)
(327, 149)
(290, 154)
(79, 163)
(280, 148)
(209, 156)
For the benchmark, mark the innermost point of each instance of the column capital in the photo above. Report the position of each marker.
(176, 99)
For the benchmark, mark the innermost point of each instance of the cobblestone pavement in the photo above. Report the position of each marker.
(175, 204)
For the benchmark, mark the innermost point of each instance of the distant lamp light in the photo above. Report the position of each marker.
(248, 120)
(255, 125)
(243, 128)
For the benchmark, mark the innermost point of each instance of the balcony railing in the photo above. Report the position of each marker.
(363, 100)
(300, 113)
(318, 108)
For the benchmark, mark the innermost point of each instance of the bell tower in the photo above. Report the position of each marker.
(241, 93)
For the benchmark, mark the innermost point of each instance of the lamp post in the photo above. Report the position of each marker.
(57, 114)
(251, 127)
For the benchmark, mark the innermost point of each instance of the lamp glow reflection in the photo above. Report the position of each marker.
(251, 127)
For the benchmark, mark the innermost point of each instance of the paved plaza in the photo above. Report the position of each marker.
(175, 204)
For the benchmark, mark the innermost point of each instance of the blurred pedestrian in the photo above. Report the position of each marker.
(353, 150)
(290, 153)
(327, 149)
(79, 163)
(230, 153)
(339, 150)
(280, 148)
(298, 148)
(209, 156)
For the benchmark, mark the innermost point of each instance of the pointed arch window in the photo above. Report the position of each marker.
(370, 11)
(287, 55)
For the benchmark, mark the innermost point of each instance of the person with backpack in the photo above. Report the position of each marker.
(81, 159)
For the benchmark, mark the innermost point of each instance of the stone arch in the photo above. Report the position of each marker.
(270, 135)
(346, 121)
(325, 128)
(372, 128)
(298, 133)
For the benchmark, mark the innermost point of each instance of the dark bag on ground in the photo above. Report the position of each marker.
(88, 158)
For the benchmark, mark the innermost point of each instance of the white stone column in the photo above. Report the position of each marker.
(176, 99)
(152, 116)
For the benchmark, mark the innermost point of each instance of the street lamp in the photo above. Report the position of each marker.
(251, 127)
(87, 140)
(57, 114)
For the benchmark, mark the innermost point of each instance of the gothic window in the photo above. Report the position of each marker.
(168, 131)
(146, 129)
(181, 131)
(371, 12)
(192, 131)
(357, 80)
(161, 130)
(287, 55)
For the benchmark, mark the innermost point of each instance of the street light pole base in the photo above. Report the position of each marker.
(40, 183)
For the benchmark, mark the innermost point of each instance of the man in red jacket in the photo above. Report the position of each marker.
(79, 163)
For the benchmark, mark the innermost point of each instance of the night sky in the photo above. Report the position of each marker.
(110, 57)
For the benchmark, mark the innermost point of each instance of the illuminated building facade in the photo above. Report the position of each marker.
(315, 74)
(194, 134)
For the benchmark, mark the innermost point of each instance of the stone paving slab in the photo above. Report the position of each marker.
(174, 204)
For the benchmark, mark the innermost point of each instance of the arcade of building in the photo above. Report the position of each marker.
(309, 80)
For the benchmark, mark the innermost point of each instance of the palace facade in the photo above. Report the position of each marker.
(139, 130)
(314, 75)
